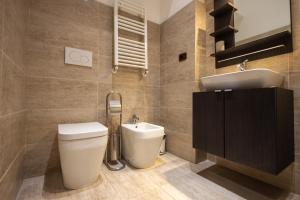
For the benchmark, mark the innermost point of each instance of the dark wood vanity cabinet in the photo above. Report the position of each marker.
(254, 127)
(208, 117)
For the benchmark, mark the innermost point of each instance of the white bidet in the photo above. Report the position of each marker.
(141, 143)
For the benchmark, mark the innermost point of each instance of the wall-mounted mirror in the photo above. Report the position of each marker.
(251, 29)
(257, 19)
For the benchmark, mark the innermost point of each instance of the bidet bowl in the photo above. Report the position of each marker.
(141, 143)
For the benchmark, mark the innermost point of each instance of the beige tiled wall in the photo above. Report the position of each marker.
(59, 93)
(12, 96)
(288, 65)
(141, 94)
(178, 79)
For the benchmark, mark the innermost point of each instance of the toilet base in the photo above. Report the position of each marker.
(81, 161)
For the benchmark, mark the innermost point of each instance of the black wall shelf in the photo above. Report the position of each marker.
(227, 7)
(270, 46)
(223, 31)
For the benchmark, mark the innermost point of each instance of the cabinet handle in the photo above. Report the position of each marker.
(218, 91)
(228, 90)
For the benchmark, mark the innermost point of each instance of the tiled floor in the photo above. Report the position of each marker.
(170, 179)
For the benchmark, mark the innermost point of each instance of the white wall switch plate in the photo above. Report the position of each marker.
(78, 57)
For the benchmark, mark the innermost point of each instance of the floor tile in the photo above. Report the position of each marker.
(171, 178)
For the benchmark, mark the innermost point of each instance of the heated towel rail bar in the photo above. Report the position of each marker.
(130, 36)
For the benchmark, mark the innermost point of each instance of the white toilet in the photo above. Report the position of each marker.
(81, 147)
(141, 143)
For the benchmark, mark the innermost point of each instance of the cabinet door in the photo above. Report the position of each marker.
(250, 128)
(208, 122)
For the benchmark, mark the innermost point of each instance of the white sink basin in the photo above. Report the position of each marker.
(256, 78)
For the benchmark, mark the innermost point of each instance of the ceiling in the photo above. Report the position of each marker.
(158, 11)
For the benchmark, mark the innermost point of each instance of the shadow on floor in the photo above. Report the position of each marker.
(54, 187)
(243, 185)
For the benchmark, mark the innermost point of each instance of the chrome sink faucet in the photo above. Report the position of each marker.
(243, 65)
(135, 119)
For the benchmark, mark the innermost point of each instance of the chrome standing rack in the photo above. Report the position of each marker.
(113, 152)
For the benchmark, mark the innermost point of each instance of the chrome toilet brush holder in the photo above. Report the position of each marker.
(114, 149)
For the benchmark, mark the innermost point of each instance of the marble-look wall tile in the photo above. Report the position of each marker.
(13, 88)
(177, 119)
(49, 61)
(133, 95)
(177, 79)
(42, 124)
(153, 78)
(105, 71)
(183, 18)
(12, 181)
(106, 44)
(48, 93)
(151, 96)
(180, 144)
(1, 76)
(12, 138)
(169, 55)
(152, 115)
(174, 72)
(12, 96)
(170, 94)
(294, 68)
(64, 22)
(294, 60)
(294, 57)
(106, 23)
(154, 43)
(13, 30)
(1, 23)
(40, 157)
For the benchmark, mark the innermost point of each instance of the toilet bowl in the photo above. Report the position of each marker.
(81, 147)
(141, 143)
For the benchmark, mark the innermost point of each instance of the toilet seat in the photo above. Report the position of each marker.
(81, 131)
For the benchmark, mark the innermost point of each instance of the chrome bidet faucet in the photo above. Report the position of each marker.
(135, 119)
(243, 65)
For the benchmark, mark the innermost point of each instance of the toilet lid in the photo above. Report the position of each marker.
(81, 131)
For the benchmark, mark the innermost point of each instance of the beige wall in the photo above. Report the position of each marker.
(288, 65)
(59, 93)
(141, 94)
(178, 79)
(12, 107)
